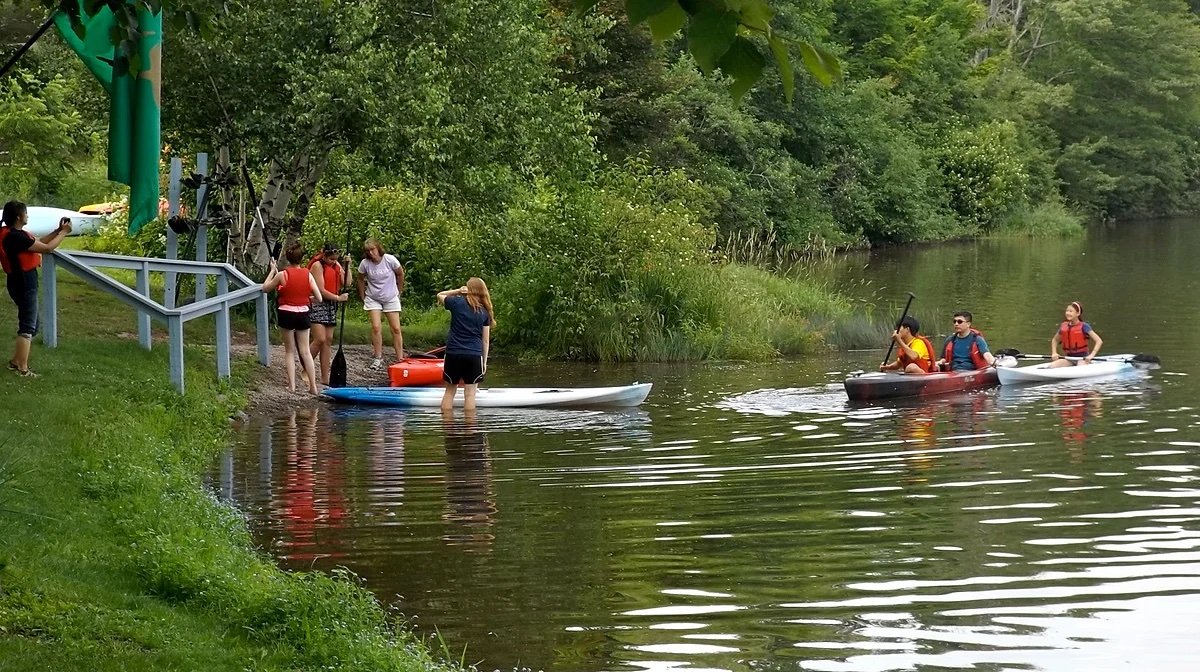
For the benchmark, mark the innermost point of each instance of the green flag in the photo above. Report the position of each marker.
(132, 80)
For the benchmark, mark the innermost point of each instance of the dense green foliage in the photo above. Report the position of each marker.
(611, 272)
(594, 176)
(49, 128)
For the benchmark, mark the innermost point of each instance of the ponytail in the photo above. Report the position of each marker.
(12, 212)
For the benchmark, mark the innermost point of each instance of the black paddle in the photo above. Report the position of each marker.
(278, 245)
(892, 342)
(1148, 360)
(337, 368)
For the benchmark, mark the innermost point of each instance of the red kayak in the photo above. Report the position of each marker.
(416, 372)
(871, 386)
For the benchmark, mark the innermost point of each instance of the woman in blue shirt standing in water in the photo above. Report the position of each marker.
(471, 322)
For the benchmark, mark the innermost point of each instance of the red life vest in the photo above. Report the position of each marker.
(331, 274)
(976, 356)
(28, 261)
(1073, 340)
(295, 290)
(926, 363)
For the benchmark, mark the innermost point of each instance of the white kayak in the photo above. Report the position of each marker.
(494, 397)
(43, 220)
(1042, 373)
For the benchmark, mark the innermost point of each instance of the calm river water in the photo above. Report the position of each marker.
(748, 518)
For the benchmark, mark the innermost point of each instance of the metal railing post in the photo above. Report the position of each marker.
(202, 231)
(223, 333)
(263, 331)
(145, 335)
(173, 188)
(175, 339)
(49, 301)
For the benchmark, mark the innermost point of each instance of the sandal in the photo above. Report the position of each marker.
(12, 366)
(27, 373)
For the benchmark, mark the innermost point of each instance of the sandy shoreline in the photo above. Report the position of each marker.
(267, 394)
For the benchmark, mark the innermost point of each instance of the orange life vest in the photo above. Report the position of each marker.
(926, 363)
(28, 261)
(331, 274)
(976, 356)
(1073, 339)
(295, 290)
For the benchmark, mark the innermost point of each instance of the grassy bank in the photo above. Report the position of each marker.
(1048, 220)
(113, 557)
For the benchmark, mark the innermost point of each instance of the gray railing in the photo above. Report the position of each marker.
(233, 288)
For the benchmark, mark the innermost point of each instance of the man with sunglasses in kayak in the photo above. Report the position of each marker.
(966, 349)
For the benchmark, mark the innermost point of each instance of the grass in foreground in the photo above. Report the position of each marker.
(113, 557)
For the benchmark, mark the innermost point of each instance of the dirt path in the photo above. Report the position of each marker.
(268, 394)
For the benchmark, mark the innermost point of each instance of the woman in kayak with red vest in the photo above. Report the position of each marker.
(296, 287)
(1073, 334)
(20, 256)
(914, 352)
(966, 349)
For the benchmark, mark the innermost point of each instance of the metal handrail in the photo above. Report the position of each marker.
(85, 265)
(105, 260)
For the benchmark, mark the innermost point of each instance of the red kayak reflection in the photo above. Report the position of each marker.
(311, 499)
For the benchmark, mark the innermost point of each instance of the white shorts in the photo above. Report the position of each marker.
(390, 306)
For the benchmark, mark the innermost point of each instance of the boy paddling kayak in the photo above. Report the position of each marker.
(914, 352)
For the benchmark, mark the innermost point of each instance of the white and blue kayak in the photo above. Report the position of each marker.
(494, 397)
(44, 220)
(1043, 373)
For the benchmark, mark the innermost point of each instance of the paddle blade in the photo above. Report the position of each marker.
(1007, 361)
(337, 370)
(1145, 362)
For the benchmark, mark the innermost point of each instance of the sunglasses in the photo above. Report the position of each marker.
(959, 320)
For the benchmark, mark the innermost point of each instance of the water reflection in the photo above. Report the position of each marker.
(1077, 410)
(470, 498)
(777, 525)
(310, 495)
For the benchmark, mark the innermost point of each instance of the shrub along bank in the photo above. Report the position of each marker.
(113, 556)
(622, 269)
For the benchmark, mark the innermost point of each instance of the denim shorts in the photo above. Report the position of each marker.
(24, 293)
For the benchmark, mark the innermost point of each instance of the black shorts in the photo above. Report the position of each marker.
(290, 320)
(463, 369)
(25, 294)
